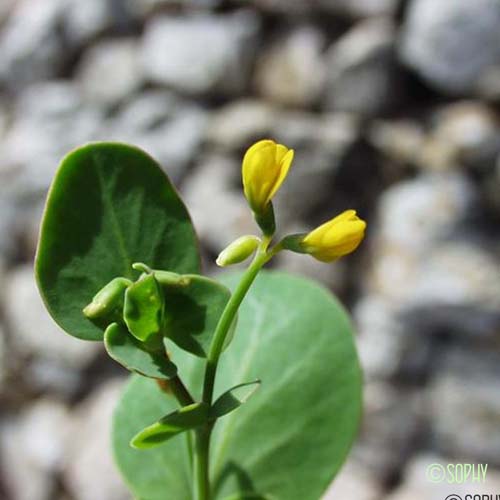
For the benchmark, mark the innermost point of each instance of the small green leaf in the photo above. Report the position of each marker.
(193, 311)
(233, 398)
(107, 304)
(109, 205)
(143, 309)
(187, 418)
(135, 356)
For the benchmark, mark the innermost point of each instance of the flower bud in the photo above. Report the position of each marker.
(335, 238)
(265, 166)
(108, 302)
(238, 251)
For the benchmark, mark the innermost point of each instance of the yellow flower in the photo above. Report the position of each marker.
(265, 167)
(335, 238)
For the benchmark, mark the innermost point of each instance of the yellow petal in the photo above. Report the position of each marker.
(264, 169)
(286, 163)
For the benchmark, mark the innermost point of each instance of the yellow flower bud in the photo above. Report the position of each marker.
(335, 238)
(238, 251)
(265, 166)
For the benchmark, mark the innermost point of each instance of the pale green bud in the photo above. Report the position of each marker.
(238, 251)
(108, 301)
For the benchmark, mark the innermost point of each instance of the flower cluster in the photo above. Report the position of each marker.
(265, 167)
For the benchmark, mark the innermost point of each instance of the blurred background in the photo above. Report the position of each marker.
(392, 108)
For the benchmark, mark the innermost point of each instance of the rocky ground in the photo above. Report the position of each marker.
(392, 108)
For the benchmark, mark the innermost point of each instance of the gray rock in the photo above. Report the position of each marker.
(84, 21)
(168, 128)
(354, 482)
(238, 124)
(360, 8)
(32, 445)
(414, 217)
(362, 74)
(400, 140)
(416, 486)
(465, 417)
(345, 8)
(90, 472)
(30, 45)
(458, 273)
(4, 368)
(110, 71)
(6, 8)
(292, 71)
(201, 54)
(219, 211)
(390, 416)
(380, 340)
(462, 132)
(49, 121)
(32, 330)
(145, 8)
(451, 44)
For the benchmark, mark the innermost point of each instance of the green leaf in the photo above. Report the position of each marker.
(192, 312)
(135, 355)
(187, 418)
(143, 309)
(109, 206)
(233, 398)
(296, 338)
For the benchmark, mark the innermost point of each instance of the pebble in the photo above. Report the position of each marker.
(451, 44)
(109, 72)
(200, 54)
(89, 472)
(292, 71)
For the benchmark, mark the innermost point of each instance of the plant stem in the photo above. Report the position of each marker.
(201, 463)
(225, 322)
(202, 438)
(180, 391)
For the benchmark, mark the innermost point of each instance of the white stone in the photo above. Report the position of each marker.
(292, 71)
(451, 44)
(200, 54)
(90, 472)
(33, 446)
(34, 332)
(110, 71)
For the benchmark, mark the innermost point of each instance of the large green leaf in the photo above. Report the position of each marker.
(288, 441)
(109, 206)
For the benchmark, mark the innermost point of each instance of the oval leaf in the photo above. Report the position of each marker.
(192, 312)
(233, 398)
(296, 338)
(187, 418)
(109, 206)
(134, 355)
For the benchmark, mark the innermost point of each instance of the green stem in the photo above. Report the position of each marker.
(201, 463)
(226, 320)
(180, 391)
(202, 442)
